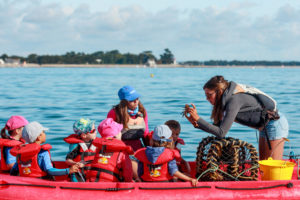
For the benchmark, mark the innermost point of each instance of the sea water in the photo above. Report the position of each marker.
(56, 97)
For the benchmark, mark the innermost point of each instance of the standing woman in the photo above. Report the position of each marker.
(247, 106)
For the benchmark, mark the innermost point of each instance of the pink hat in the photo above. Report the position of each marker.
(15, 122)
(109, 128)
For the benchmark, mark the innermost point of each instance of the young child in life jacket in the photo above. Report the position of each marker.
(175, 127)
(157, 162)
(33, 159)
(81, 149)
(112, 162)
(13, 127)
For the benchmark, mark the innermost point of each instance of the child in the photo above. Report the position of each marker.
(33, 159)
(14, 127)
(112, 162)
(174, 125)
(157, 162)
(81, 149)
(131, 113)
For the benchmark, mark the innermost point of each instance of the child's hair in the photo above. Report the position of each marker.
(163, 144)
(122, 116)
(4, 135)
(173, 124)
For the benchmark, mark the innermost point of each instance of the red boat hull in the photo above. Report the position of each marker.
(12, 187)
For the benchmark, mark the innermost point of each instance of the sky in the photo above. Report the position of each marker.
(192, 29)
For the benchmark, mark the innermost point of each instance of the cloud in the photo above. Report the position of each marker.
(230, 32)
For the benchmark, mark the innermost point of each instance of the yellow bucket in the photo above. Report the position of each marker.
(276, 169)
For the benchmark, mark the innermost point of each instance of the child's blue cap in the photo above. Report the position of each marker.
(162, 133)
(128, 93)
(84, 125)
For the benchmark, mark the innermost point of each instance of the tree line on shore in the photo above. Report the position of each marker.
(115, 57)
(242, 63)
(99, 57)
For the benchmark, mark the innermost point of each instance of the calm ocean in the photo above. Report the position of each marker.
(56, 97)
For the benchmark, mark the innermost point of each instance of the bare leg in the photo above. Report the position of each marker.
(263, 148)
(276, 152)
(134, 170)
(277, 146)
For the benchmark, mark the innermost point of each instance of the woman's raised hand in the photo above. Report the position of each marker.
(191, 114)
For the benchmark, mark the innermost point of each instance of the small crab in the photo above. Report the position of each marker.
(185, 110)
(185, 113)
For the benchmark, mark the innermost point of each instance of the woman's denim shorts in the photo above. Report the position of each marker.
(276, 129)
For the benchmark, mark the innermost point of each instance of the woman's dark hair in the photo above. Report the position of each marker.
(219, 85)
(122, 114)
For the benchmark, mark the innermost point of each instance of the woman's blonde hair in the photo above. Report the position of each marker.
(122, 114)
(219, 85)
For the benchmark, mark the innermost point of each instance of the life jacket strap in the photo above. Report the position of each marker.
(99, 170)
(85, 154)
(152, 166)
(103, 149)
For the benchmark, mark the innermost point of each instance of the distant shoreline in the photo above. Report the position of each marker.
(134, 66)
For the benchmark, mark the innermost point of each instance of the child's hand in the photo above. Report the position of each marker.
(80, 164)
(194, 182)
(137, 180)
(74, 168)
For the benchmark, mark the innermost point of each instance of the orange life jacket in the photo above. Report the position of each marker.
(157, 171)
(104, 167)
(27, 159)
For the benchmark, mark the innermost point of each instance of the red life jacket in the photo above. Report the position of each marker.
(27, 159)
(6, 143)
(157, 171)
(179, 142)
(86, 154)
(104, 167)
